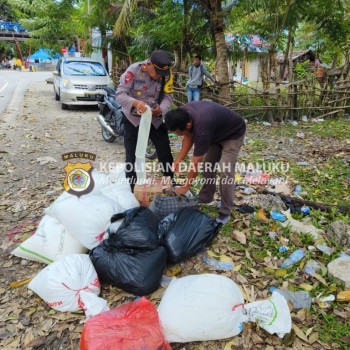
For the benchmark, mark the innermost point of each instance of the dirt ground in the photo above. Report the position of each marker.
(42, 129)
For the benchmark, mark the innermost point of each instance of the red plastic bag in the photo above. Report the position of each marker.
(133, 326)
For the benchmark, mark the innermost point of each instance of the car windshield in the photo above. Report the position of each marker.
(83, 68)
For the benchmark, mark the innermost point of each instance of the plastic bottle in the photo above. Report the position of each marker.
(283, 249)
(305, 210)
(297, 189)
(325, 249)
(219, 265)
(293, 258)
(300, 299)
(141, 146)
(276, 215)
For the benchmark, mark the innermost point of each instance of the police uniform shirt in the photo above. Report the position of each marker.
(135, 83)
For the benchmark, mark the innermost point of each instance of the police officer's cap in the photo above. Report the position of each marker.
(161, 61)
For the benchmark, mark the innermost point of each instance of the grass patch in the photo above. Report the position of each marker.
(327, 183)
(331, 329)
(338, 128)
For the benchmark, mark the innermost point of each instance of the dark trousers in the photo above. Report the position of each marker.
(160, 139)
(225, 154)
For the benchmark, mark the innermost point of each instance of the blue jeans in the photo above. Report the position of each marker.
(193, 94)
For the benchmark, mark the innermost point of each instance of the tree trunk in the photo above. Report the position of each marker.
(264, 61)
(292, 88)
(177, 60)
(217, 21)
(286, 54)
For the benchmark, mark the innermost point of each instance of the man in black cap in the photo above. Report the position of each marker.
(145, 83)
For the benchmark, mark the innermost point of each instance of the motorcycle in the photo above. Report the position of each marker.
(111, 120)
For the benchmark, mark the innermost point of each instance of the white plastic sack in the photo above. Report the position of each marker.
(101, 180)
(70, 284)
(86, 218)
(50, 242)
(141, 145)
(122, 195)
(116, 174)
(209, 307)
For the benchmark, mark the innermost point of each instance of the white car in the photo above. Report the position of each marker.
(77, 81)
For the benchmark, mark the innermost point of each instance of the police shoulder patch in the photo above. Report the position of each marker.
(129, 76)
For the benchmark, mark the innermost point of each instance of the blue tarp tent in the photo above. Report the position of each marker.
(43, 55)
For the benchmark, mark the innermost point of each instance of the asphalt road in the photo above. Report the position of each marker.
(13, 86)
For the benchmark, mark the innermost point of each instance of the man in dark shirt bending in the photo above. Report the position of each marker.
(217, 135)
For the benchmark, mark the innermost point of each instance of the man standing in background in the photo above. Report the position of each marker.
(196, 72)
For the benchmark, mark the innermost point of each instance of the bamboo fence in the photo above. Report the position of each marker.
(311, 97)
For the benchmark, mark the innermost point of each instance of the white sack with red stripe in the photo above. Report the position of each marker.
(70, 284)
(86, 218)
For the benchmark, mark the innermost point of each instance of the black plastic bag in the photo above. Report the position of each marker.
(188, 233)
(135, 271)
(138, 230)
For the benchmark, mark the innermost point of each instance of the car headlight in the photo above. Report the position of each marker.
(67, 84)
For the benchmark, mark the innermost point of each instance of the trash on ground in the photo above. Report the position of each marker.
(304, 118)
(248, 190)
(70, 284)
(295, 257)
(293, 122)
(130, 326)
(283, 249)
(305, 210)
(272, 235)
(300, 135)
(261, 214)
(299, 227)
(256, 178)
(325, 249)
(297, 190)
(312, 267)
(209, 307)
(190, 231)
(165, 281)
(317, 120)
(299, 299)
(278, 216)
(266, 123)
(218, 265)
(303, 163)
(339, 269)
(146, 192)
(165, 205)
(282, 188)
(50, 242)
(128, 260)
(265, 201)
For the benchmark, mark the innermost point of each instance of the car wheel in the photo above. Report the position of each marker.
(64, 106)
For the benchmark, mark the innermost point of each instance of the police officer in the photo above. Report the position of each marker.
(147, 83)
